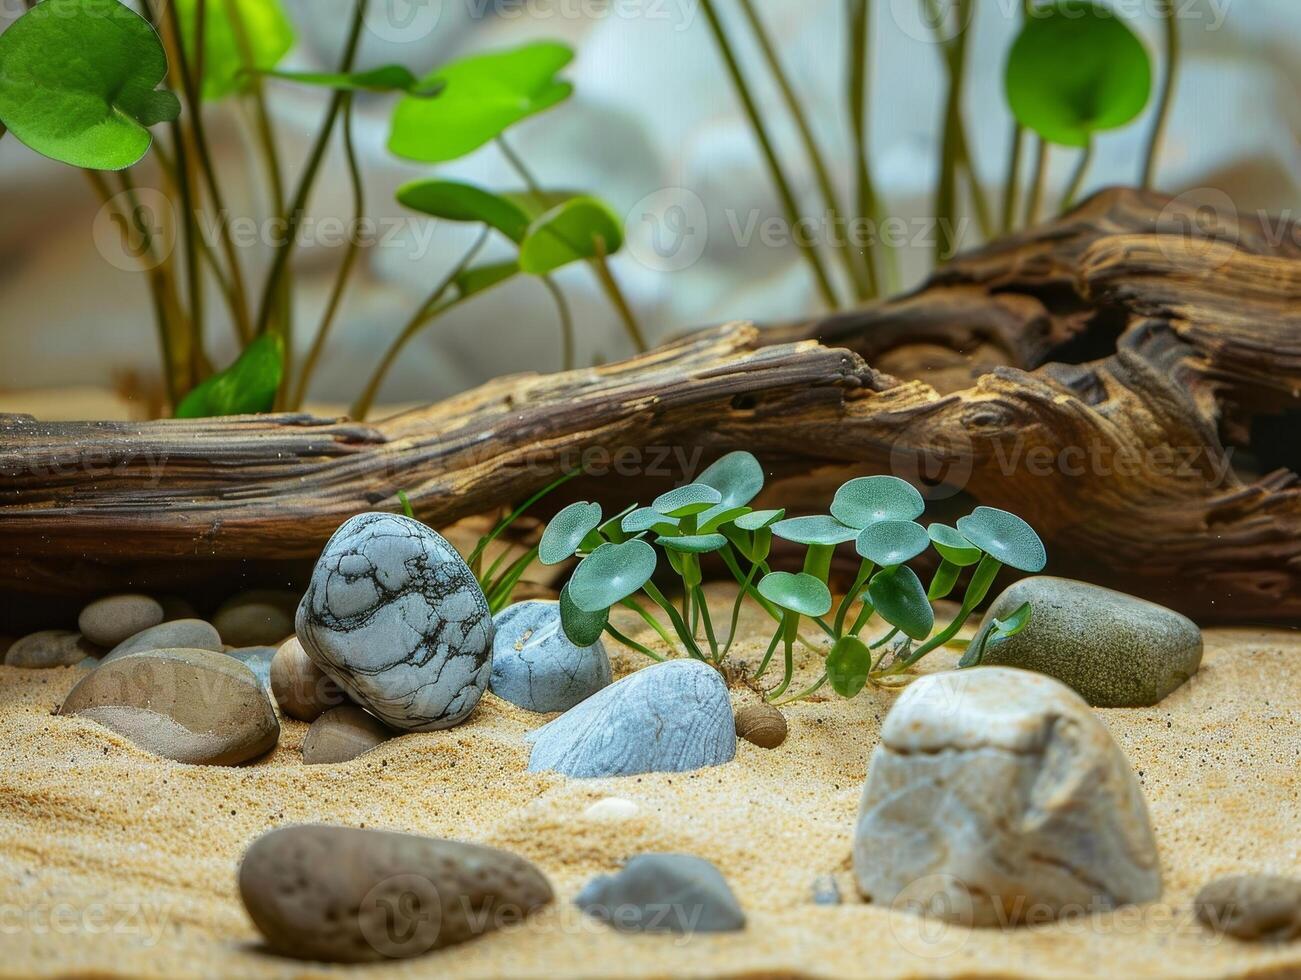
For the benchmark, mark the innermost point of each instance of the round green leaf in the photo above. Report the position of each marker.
(1074, 70)
(738, 477)
(817, 529)
(800, 593)
(900, 599)
(646, 518)
(582, 628)
(482, 96)
(78, 83)
(566, 531)
(610, 573)
(266, 29)
(713, 519)
(871, 499)
(1005, 536)
(386, 78)
(694, 498)
(892, 542)
(952, 546)
(848, 664)
(247, 386)
(759, 518)
(581, 228)
(693, 544)
(452, 200)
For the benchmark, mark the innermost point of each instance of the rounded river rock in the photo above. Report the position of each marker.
(535, 666)
(109, 621)
(1113, 649)
(346, 895)
(394, 615)
(342, 734)
(192, 706)
(671, 717)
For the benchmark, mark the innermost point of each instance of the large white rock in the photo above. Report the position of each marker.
(396, 618)
(996, 797)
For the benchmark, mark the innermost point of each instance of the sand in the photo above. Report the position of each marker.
(114, 862)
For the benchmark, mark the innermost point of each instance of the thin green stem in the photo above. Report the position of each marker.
(977, 589)
(257, 95)
(679, 625)
(499, 591)
(1013, 180)
(605, 277)
(736, 606)
(427, 312)
(632, 644)
(566, 323)
(1037, 182)
(857, 274)
(866, 202)
(864, 615)
(517, 513)
(767, 657)
(864, 573)
(790, 626)
(702, 604)
(350, 255)
(650, 620)
(1166, 97)
(293, 217)
(789, 204)
(1077, 178)
(810, 690)
(955, 54)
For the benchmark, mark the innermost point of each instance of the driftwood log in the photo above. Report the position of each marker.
(1127, 378)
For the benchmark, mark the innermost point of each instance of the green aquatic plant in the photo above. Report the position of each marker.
(96, 85)
(711, 516)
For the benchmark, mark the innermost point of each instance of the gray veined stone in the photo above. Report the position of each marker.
(996, 797)
(536, 666)
(670, 717)
(394, 615)
(663, 893)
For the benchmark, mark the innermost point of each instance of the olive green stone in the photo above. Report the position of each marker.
(1115, 650)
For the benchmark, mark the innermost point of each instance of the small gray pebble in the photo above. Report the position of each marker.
(256, 618)
(825, 890)
(535, 666)
(257, 659)
(50, 648)
(179, 634)
(1252, 907)
(664, 893)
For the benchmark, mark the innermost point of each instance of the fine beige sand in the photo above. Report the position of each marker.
(114, 862)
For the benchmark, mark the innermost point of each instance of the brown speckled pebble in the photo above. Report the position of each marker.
(1252, 907)
(50, 648)
(114, 618)
(346, 895)
(192, 706)
(301, 688)
(260, 617)
(761, 724)
(342, 734)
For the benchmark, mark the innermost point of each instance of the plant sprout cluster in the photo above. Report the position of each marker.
(712, 516)
(87, 82)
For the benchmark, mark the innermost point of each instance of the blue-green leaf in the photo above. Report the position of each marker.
(900, 599)
(610, 573)
(566, 531)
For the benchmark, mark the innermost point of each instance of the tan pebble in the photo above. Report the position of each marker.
(260, 617)
(111, 620)
(50, 648)
(192, 706)
(342, 734)
(301, 688)
(761, 724)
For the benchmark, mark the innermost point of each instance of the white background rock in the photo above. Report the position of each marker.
(996, 797)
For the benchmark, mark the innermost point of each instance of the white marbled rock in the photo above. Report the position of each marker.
(670, 717)
(536, 666)
(996, 797)
(395, 617)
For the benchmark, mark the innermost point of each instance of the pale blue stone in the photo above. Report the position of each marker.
(664, 893)
(535, 666)
(672, 717)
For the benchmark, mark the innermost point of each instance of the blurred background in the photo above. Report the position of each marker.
(654, 128)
